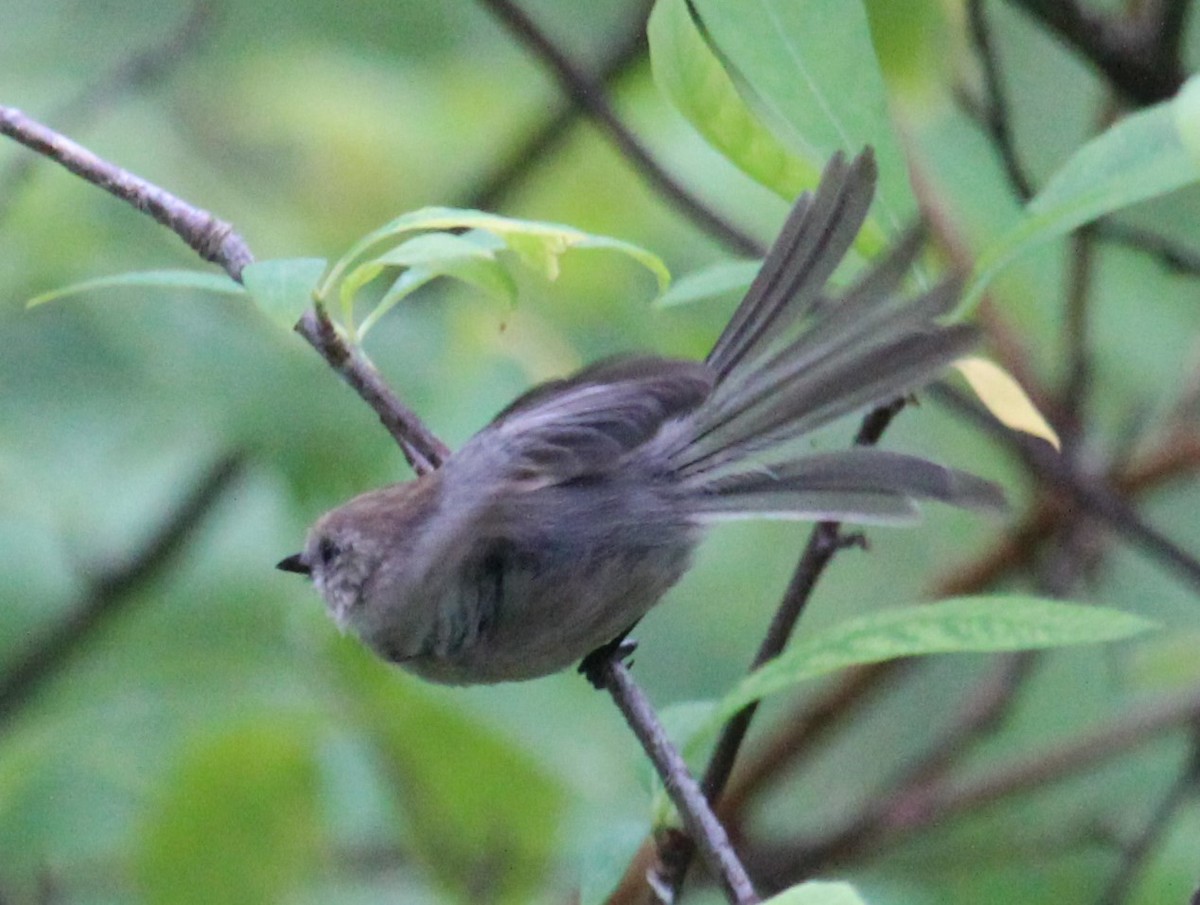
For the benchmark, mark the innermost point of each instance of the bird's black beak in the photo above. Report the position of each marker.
(294, 563)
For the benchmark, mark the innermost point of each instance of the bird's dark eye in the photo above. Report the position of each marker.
(327, 550)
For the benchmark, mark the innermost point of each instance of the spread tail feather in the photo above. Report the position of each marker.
(793, 358)
(860, 484)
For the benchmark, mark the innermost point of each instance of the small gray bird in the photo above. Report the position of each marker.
(562, 522)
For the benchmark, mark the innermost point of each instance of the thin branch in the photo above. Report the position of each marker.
(111, 590)
(589, 95)
(995, 108)
(1139, 849)
(216, 241)
(424, 451)
(144, 67)
(698, 818)
(1172, 255)
(1092, 494)
(1128, 50)
(992, 112)
(628, 49)
(897, 817)
(1075, 341)
(824, 542)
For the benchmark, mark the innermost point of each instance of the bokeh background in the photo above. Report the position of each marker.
(214, 739)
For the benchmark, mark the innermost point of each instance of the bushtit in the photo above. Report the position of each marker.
(557, 526)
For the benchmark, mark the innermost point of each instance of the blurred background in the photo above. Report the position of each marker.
(194, 729)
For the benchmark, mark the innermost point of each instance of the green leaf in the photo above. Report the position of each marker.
(238, 822)
(978, 624)
(818, 892)
(717, 279)
(146, 279)
(480, 803)
(432, 255)
(689, 73)
(283, 288)
(605, 858)
(536, 244)
(1144, 155)
(813, 66)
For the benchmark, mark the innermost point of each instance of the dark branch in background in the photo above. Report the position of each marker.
(143, 68)
(216, 241)
(992, 111)
(1131, 50)
(698, 818)
(1090, 493)
(111, 590)
(898, 816)
(621, 55)
(588, 94)
(823, 544)
(1140, 847)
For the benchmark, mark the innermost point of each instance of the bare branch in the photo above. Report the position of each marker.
(823, 544)
(109, 592)
(1128, 50)
(544, 137)
(898, 816)
(994, 112)
(1139, 849)
(421, 448)
(697, 816)
(216, 241)
(1092, 494)
(589, 95)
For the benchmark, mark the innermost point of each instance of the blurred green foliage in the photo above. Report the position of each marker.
(216, 742)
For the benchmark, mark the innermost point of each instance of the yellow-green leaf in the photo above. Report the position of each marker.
(689, 73)
(1002, 395)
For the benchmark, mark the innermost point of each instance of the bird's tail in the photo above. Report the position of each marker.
(794, 358)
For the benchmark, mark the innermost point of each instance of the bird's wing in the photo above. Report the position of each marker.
(584, 425)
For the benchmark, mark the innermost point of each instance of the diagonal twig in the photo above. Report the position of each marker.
(589, 95)
(217, 241)
(685, 792)
(548, 134)
(824, 542)
(992, 112)
(110, 591)
(1092, 494)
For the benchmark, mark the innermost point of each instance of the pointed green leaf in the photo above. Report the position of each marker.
(818, 892)
(812, 65)
(718, 279)
(993, 623)
(689, 73)
(470, 256)
(431, 255)
(146, 279)
(283, 288)
(537, 243)
(1142, 156)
